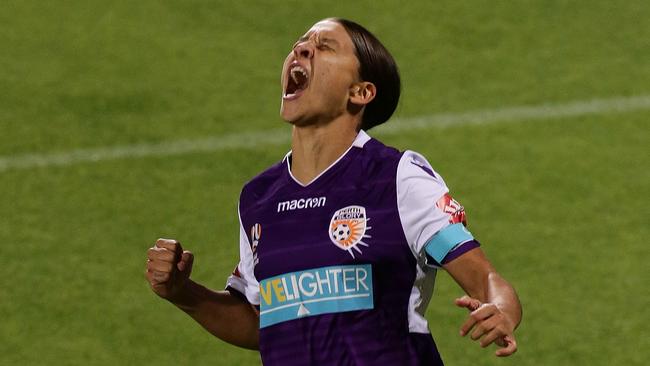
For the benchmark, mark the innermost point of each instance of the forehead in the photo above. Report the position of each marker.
(330, 30)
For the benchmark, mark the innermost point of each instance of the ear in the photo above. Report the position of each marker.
(362, 93)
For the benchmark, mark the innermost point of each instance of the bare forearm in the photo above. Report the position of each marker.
(220, 313)
(494, 307)
(503, 295)
(474, 273)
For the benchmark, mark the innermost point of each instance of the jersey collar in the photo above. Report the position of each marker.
(361, 139)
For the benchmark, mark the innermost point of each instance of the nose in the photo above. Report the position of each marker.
(304, 50)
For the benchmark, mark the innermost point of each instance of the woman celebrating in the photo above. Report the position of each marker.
(341, 240)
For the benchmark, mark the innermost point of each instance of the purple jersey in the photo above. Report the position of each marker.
(342, 268)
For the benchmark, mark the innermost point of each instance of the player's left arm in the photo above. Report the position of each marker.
(495, 310)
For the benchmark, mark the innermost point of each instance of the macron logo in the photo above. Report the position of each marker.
(301, 203)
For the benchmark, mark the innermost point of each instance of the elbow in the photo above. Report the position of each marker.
(253, 345)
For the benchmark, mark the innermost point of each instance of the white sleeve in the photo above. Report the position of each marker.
(243, 278)
(419, 187)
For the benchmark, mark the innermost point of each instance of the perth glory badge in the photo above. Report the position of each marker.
(348, 227)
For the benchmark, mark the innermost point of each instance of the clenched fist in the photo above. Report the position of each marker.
(168, 267)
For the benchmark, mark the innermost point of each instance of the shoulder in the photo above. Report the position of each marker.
(415, 168)
(265, 184)
(409, 168)
(380, 151)
(377, 158)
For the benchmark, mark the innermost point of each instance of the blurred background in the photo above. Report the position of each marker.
(122, 122)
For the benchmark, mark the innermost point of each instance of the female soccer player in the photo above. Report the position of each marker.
(341, 240)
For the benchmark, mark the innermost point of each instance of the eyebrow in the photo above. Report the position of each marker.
(329, 40)
(325, 39)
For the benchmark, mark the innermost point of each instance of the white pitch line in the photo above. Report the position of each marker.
(250, 140)
(523, 113)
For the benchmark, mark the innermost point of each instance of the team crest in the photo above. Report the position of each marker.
(348, 227)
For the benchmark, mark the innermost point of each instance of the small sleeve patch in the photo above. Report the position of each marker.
(446, 240)
(454, 209)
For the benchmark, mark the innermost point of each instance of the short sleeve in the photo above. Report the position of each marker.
(433, 222)
(243, 278)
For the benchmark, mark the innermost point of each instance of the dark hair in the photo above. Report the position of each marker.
(378, 67)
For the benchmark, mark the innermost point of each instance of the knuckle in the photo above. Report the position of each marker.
(167, 255)
(163, 241)
(160, 276)
(158, 266)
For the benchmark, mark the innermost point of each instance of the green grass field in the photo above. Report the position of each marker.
(559, 203)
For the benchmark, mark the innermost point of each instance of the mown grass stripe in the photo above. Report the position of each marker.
(281, 136)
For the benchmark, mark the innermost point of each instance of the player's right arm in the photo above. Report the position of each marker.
(227, 317)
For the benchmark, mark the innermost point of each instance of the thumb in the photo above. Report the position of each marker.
(509, 346)
(467, 302)
(187, 259)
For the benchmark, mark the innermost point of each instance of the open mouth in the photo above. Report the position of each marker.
(297, 81)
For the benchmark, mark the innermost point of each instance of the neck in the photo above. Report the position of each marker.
(314, 148)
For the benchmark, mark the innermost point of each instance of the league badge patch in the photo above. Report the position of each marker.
(348, 227)
(454, 209)
(256, 234)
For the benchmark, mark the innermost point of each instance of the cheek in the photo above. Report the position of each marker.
(337, 79)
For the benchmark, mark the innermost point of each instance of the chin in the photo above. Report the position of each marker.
(290, 115)
(286, 116)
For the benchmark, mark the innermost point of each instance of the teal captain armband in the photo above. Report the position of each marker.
(445, 240)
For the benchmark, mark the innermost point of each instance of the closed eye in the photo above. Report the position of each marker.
(328, 42)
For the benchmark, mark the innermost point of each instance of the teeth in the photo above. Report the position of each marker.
(294, 73)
